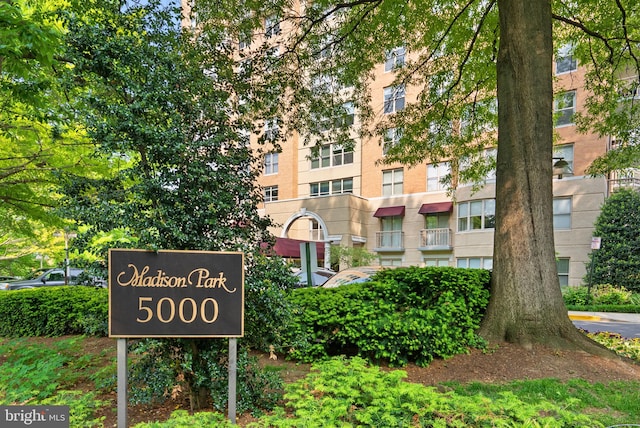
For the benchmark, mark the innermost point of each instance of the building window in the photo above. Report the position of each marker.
(564, 107)
(392, 182)
(271, 193)
(271, 26)
(435, 175)
(393, 99)
(332, 155)
(271, 130)
(477, 215)
(391, 232)
(395, 58)
(565, 62)
(563, 271)
(270, 163)
(561, 213)
(435, 261)
(315, 231)
(391, 261)
(391, 138)
(334, 187)
(564, 152)
(475, 262)
(436, 220)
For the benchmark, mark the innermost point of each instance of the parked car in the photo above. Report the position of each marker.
(43, 277)
(352, 275)
(318, 277)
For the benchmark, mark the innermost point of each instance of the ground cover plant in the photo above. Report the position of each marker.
(81, 371)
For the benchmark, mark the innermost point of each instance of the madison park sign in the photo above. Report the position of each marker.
(176, 293)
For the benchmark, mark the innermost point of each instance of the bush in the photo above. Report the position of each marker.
(152, 378)
(404, 314)
(54, 311)
(344, 393)
(604, 294)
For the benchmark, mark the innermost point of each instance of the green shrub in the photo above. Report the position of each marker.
(341, 393)
(181, 418)
(404, 314)
(54, 311)
(152, 376)
(603, 294)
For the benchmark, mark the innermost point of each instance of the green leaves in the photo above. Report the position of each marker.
(405, 314)
(617, 262)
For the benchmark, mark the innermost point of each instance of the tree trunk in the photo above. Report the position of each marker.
(526, 304)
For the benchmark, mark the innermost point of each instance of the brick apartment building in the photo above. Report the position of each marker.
(403, 214)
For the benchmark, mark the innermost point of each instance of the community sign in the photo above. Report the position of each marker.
(176, 293)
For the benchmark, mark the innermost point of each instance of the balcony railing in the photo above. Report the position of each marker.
(628, 183)
(390, 241)
(435, 239)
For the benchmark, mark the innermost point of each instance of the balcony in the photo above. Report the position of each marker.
(435, 240)
(389, 241)
(625, 182)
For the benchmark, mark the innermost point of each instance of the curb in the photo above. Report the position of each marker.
(580, 317)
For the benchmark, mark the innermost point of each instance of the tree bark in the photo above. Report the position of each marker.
(526, 305)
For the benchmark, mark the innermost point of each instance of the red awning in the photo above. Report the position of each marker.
(290, 248)
(438, 207)
(390, 211)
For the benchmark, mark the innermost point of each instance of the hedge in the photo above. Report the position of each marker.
(54, 311)
(403, 314)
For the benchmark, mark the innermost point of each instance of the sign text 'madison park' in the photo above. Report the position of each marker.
(176, 293)
(198, 278)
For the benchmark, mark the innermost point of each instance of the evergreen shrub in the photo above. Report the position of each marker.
(404, 314)
(54, 311)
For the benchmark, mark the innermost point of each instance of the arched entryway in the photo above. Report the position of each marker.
(322, 231)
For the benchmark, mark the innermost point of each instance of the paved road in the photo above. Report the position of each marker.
(627, 325)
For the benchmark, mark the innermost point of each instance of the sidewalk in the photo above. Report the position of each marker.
(604, 316)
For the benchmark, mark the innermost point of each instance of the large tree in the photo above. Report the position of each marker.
(463, 55)
(39, 135)
(157, 101)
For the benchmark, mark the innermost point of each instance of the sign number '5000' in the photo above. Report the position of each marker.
(187, 310)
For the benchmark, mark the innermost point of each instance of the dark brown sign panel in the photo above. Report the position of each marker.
(176, 293)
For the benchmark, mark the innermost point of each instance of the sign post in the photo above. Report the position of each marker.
(596, 241)
(186, 294)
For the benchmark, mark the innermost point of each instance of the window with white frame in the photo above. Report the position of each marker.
(564, 152)
(395, 58)
(390, 261)
(391, 232)
(315, 230)
(564, 107)
(436, 220)
(561, 213)
(271, 193)
(271, 129)
(393, 99)
(346, 115)
(475, 262)
(490, 156)
(435, 175)
(435, 261)
(332, 187)
(477, 215)
(563, 270)
(392, 182)
(270, 163)
(331, 155)
(271, 26)
(565, 61)
(391, 138)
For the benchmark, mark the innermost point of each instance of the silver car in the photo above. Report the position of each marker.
(41, 278)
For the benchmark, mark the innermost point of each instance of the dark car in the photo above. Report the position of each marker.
(43, 277)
